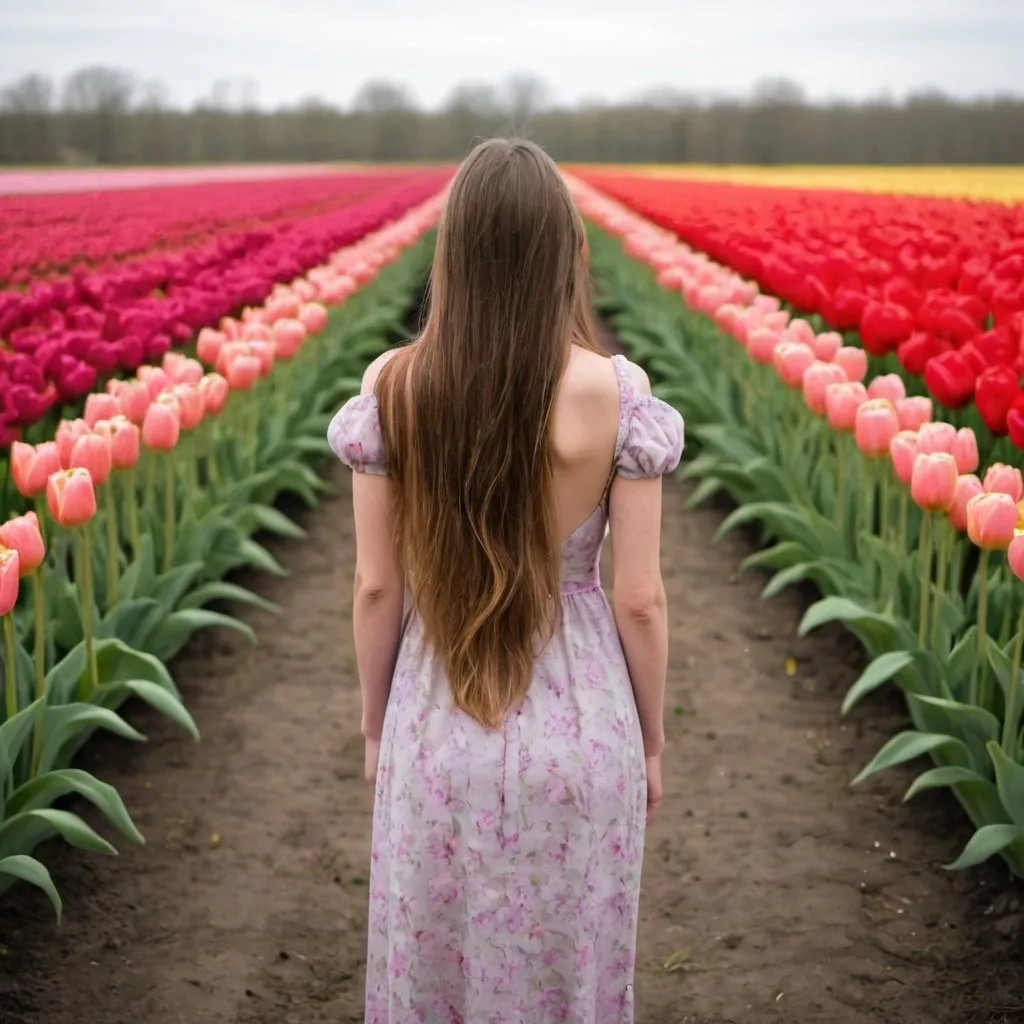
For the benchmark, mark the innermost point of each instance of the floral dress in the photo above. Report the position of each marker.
(505, 870)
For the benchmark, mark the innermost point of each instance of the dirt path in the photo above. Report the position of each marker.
(771, 891)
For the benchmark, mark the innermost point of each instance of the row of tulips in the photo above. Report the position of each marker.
(930, 287)
(859, 492)
(97, 229)
(63, 337)
(136, 512)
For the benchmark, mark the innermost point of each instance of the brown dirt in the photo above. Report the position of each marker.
(771, 891)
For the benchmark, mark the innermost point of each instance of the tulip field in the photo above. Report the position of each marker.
(850, 368)
(848, 361)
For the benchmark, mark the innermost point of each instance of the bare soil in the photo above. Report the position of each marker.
(771, 890)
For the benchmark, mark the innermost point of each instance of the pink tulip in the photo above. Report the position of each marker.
(903, 450)
(854, 362)
(841, 404)
(209, 343)
(243, 372)
(161, 427)
(776, 320)
(9, 576)
(816, 380)
(288, 337)
(875, 426)
(965, 450)
(313, 317)
(800, 330)
(933, 482)
(914, 412)
(253, 331)
(92, 452)
(214, 389)
(229, 352)
(282, 307)
(31, 466)
(826, 345)
(1000, 478)
(936, 437)
(134, 399)
(123, 437)
(761, 342)
(230, 328)
(791, 360)
(71, 497)
(264, 352)
(766, 303)
(190, 405)
(1015, 556)
(100, 406)
(22, 534)
(967, 486)
(155, 378)
(181, 369)
(991, 520)
(68, 432)
(890, 387)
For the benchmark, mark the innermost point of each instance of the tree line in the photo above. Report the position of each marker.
(107, 116)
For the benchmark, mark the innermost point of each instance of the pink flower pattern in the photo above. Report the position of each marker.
(505, 875)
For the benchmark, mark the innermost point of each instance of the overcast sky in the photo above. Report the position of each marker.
(583, 49)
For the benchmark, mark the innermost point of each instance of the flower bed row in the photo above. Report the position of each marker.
(95, 230)
(64, 337)
(936, 284)
(137, 512)
(890, 524)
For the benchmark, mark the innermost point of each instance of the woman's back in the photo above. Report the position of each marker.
(513, 718)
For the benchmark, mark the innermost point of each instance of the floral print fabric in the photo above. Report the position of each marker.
(505, 873)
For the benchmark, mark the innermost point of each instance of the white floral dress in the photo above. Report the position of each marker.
(506, 864)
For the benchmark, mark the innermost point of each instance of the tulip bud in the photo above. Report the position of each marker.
(123, 437)
(100, 406)
(841, 404)
(71, 497)
(933, 482)
(903, 450)
(791, 360)
(68, 432)
(161, 427)
(968, 486)
(854, 362)
(914, 412)
(214, 389)
(92, 452)
(31, 466)
(890, 387)
(1004, 479)
(936, 437)
(965, 450)
(22, 534)
(875, 427)
(991, 520)
(818, 377)
(1015, 556)
(9, 574)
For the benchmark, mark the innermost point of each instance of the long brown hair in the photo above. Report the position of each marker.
(465, 411)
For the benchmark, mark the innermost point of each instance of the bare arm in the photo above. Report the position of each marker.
(638, 600)
(379, 595)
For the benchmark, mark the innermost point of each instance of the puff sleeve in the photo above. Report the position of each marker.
(651, 436)
(356, 438)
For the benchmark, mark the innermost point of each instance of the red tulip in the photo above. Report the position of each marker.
(994, 394)
(23, 535)
(950, 379)
(71, 497)
(884, 326)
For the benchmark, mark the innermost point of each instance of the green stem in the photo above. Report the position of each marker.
(169, 511)
(10, 669)
(113, 544)
(133, 509)
(1013, 697)
(978, 668)
(885, 499)
(925, 576)
(841, 487)
(942, 570)
(901, 536)
(39, 657)
(84, 546)
(150, 484)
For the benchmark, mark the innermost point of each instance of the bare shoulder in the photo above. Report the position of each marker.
(373, 370)
(590, 376)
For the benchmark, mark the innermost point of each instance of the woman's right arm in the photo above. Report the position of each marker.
(638, 599)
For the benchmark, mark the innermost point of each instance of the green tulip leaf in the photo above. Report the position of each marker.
(1009, 782)
(179, 627)
(880, 671)
(938, 778)
(703, 492)
(23, 832)
(162, 699)
(907, 746)
(221, 590)
(73, 723)
(986, 842)
(27, 869)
